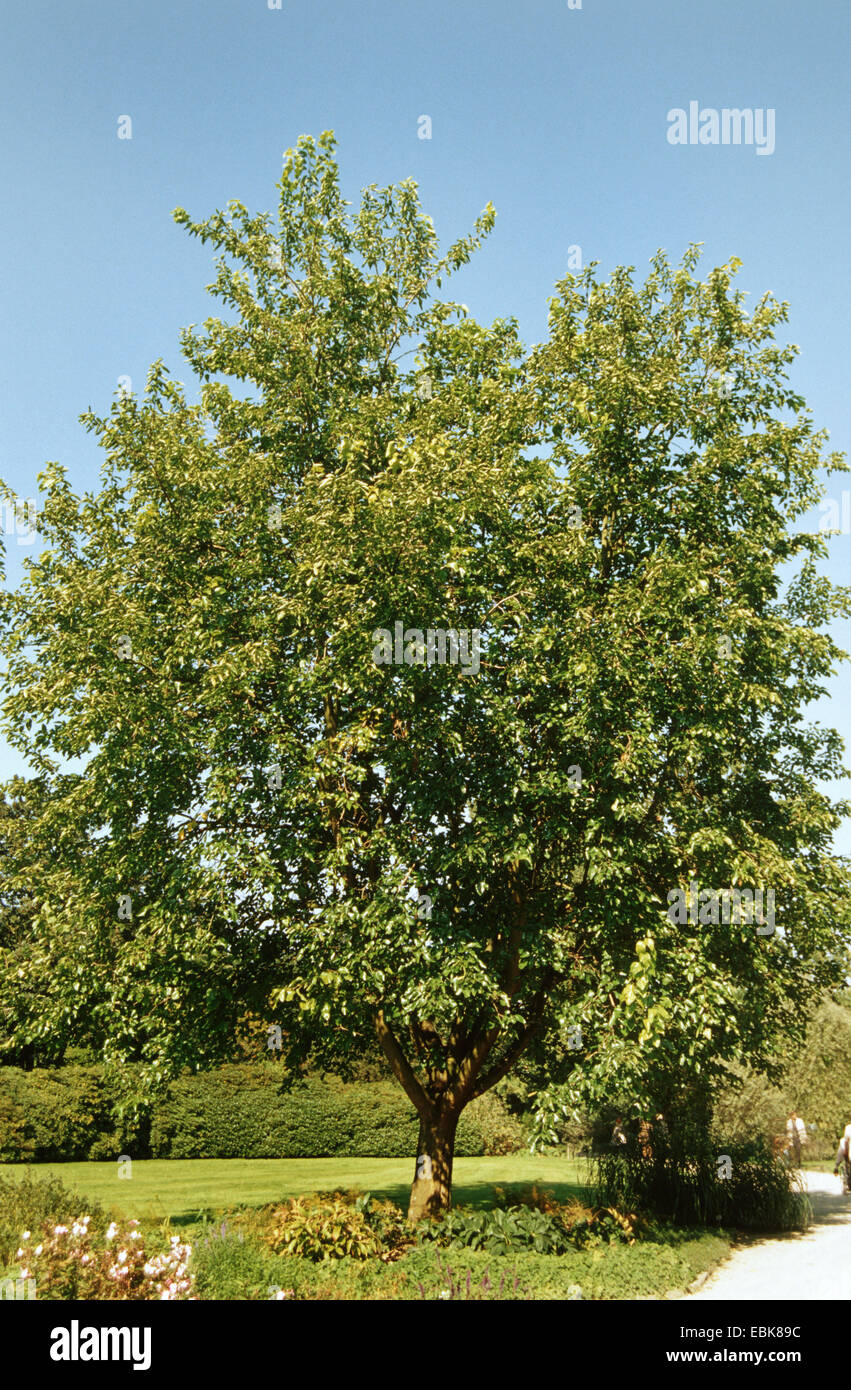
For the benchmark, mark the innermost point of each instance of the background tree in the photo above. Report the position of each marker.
(449, 859)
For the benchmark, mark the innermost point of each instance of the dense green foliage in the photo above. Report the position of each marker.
(617, 1271)
(61, 1113)
(231, 1258)
(500, 1232)
(236, 1111)
(818, 1077)
(700, 1179)
(327, 1227)
(813, 1078)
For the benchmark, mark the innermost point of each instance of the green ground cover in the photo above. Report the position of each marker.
(643, 1270)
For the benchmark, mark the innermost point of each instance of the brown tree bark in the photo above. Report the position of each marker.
(431, 1189)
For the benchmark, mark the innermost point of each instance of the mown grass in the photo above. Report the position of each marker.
(181, 1189)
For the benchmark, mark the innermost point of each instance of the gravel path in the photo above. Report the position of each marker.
(815, 1265)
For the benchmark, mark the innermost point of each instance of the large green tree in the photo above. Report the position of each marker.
(274, 812)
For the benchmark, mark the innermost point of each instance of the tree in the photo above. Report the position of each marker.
(405, 693)
(21, 808)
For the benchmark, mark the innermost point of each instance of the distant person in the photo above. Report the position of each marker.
(843, 1158)
(796, 1137)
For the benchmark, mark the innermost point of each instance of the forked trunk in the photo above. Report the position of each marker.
(431, 1190)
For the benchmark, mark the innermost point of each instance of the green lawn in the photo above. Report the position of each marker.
(180, 1188)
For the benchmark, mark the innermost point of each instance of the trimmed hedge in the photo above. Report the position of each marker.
(238, 1111)
(59, 1113)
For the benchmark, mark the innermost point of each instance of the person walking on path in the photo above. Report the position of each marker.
(843, 1159)
(796, 1137)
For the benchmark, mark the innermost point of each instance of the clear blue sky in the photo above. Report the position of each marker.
(557, 115)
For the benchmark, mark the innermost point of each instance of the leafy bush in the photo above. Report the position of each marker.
(499, 1131)
(607, 1226)
(77, 1262)
(62, 1113)
(316, 1228)
(244, 1111)
(28, 1202)
(535, 1222)
(499, 1232)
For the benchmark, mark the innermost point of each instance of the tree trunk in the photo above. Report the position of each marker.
(431, 1190)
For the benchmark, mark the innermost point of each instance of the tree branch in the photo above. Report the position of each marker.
(402, 1069)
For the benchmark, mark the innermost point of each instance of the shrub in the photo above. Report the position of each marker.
(241, 1110)
(62, 1113)
(322, 1228)
(606, 1226)
(226, 1265)
(247, 1111)
(535, 1222)
(498, 1130)
(76, 1262)
(28, 1202)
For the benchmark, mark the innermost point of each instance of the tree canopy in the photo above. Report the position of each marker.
(407, 671)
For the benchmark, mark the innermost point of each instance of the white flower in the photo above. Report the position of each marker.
(444, 1293)
(25, 1235)
(60, 1230)
(38, 1249)
(111, 1230)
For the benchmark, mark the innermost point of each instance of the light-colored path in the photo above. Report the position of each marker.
(815, 1265)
